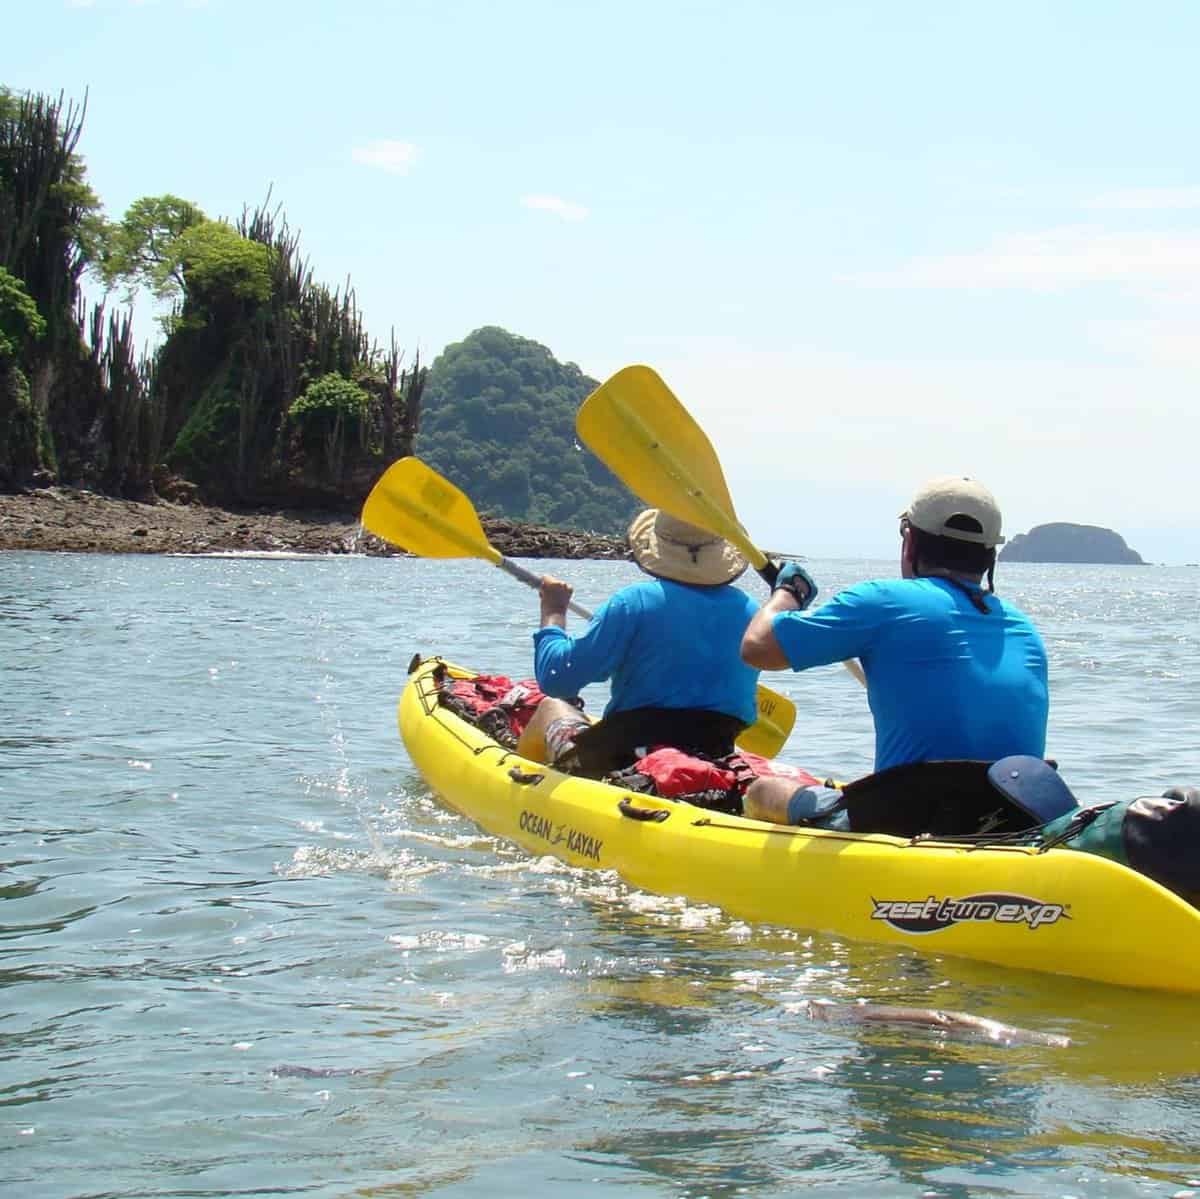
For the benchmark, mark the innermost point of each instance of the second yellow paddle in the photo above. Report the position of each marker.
(634, 424)
(414, 507)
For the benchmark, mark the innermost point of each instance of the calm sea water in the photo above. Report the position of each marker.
(244, 951)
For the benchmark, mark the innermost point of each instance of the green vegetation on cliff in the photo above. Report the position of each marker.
(498, 420)
(267, 386)
(259, 359)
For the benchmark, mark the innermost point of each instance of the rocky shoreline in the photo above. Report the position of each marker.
(81, 521)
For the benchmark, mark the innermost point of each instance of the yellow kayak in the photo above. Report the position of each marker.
(1060, 910)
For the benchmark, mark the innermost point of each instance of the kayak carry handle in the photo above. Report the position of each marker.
(657, 815)
(527, 778)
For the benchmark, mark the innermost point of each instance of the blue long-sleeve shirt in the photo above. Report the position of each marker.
(944, 680)
(663, 645)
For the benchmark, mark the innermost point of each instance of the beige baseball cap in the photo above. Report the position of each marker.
(969, 504)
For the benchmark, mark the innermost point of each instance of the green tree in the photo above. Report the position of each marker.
(49, 224)
(333, 408)
(331, 398)
(219, 266)
(21, 428)
(143, 248)
(49, 216)
(20, 321)
(170, 247)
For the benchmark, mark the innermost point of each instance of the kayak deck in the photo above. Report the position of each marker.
(1058, 910)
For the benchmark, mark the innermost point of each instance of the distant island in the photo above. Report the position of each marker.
(1065, 542)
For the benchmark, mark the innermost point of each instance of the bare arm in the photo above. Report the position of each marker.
(759, 646)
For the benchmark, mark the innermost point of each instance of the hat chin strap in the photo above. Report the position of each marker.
(692, 548)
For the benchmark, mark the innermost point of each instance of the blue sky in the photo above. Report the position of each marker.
(865, 243)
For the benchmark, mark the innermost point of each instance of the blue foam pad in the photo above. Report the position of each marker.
(1034, 786)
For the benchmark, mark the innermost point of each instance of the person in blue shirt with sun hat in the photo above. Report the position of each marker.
(669, 643)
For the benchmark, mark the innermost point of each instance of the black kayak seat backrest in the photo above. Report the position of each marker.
(614, 742)
(953, 798)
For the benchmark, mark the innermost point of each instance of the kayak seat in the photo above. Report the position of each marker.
(942, 799)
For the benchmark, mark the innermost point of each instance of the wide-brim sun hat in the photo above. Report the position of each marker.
(668, 548)
(957, 507)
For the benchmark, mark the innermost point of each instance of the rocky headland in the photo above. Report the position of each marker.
(75, 519)
(1070, 543)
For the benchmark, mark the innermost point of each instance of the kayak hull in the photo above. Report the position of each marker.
(1058, 911)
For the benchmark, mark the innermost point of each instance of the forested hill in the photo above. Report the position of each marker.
(498, 419)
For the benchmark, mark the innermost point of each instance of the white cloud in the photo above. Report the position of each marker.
(391, 156)
(1148, 199)
(1169, 341)
(1054, 260)
(557, 205)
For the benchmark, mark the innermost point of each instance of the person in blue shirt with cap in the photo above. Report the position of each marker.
(953, 671)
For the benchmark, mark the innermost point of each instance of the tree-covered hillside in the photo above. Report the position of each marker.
(498, 419)
(267, 387)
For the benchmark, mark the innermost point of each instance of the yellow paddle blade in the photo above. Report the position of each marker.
(776, 716)
(648, 439)
(414, 507)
